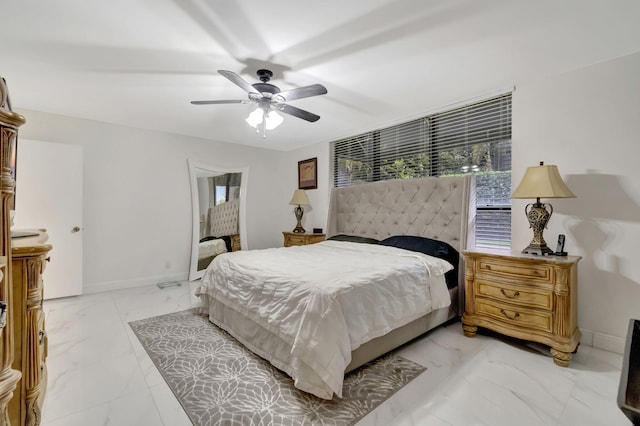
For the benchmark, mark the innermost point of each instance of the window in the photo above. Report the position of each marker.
(473, 139)
(224, 188)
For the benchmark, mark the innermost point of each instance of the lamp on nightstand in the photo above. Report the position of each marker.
(299, 198)
(540, 182)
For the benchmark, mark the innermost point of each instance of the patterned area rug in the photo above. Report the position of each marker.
(220, 382)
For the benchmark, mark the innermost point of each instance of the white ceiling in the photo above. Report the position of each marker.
(139, 62)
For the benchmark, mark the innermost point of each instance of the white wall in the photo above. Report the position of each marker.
(137, 199)
(315, 216)
(587, 122)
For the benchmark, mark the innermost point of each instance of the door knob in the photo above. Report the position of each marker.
(75, 229)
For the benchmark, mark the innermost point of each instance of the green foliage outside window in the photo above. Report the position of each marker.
(414, 166)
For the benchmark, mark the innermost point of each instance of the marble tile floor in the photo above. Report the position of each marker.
(99, 374)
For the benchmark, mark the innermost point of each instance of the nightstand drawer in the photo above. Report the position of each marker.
(301, 239)
(540, 272)
(296, 240)
(514, 315)
(518, 295)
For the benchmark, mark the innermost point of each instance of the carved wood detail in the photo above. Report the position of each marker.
(29, 259)
(9, 377)
(527, 297)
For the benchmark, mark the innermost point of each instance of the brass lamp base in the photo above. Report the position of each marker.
(538, 215)
(541, 250)
(298, 211)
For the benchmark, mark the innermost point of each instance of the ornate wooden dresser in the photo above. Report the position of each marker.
(523, 296)
(29, 257)
(9, 124)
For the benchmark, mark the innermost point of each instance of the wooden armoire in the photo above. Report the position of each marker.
(23, 339)
(9, 378)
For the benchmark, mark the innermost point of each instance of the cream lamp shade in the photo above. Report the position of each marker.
(541, 181)
(299, 198)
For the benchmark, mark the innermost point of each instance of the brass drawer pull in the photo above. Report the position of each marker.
(535, 273)
(41, 339)
(513, 296)
(488, 267)
(515, 315)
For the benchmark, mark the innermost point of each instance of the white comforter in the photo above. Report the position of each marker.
(326, 299)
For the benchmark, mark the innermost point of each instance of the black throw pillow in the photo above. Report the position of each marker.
(430, 247)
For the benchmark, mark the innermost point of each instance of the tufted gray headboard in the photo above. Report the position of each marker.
(223, 219)
(433, 207)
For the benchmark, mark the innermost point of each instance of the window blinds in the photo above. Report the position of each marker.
(473, 139)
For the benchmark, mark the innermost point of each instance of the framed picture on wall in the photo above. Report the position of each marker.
(308, 174)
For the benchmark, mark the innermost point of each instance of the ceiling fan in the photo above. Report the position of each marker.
(269, 99)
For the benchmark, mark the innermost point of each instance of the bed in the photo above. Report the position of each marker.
(209, 247)
(314, 315)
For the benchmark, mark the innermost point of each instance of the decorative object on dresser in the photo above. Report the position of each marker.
(9, 377)
(526, 297)
(540, 182)
(299, 198)
(29, 257)
(301, 239)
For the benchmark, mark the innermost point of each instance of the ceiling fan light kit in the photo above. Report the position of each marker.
(269, 120)
(273, 120)
(255, 118)
(270, 100)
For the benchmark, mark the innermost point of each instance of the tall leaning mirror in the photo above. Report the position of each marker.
(218, 213)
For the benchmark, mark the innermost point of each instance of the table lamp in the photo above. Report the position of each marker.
(299, 198)
(541, 181)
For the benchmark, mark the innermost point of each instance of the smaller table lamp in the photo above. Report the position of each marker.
(540, 182)
(299, 198)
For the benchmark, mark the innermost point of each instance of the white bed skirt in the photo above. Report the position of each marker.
(271, 347)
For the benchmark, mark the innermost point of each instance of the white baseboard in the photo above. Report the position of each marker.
(138, 282)
(589, 338)
(603, 341)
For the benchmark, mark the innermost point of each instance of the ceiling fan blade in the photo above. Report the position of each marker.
(239, 81)
(220, 102)
(297, 112)
(303, 92)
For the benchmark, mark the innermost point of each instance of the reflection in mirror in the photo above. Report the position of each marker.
(218, 199)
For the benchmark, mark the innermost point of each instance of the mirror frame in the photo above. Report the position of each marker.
(197, 170)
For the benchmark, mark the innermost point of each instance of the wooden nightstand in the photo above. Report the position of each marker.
(528, 297)
(235, 242)
(300, 239)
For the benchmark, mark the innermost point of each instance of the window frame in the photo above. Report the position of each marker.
(481, 125)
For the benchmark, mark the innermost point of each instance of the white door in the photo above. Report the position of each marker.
(49, 195)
